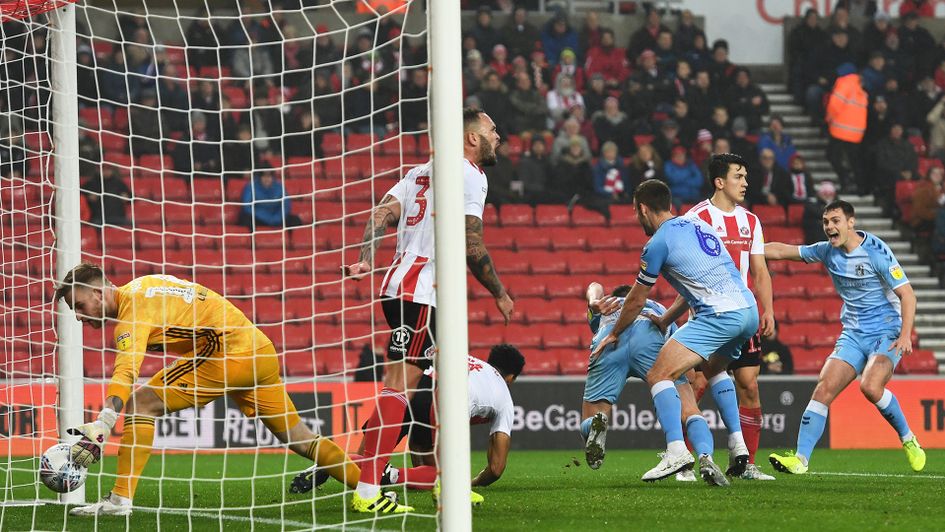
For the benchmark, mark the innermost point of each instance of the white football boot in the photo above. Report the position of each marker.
(103, 507)
(669, 465)
(594, 449)
(711, 473)
(686, 476)
(753, 472)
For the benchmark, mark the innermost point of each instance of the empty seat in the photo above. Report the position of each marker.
(566, 238)
(770, 215)
(516, 215)
(552, 215)
(582, 217)
(572, 361)
(547, 262)
(536, 310)
(525, 285)
(541, 363)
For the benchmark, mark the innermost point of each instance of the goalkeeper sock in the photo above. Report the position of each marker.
(418, 478)
(586, 427)
(668, 410)
(380, 438)
(133, 454)
(889, 407)
(812, 428)
(325, 453)
(699, 435)
(723, 390)
(751, 429)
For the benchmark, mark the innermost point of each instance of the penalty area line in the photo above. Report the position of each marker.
(224, 517)
(877, 475)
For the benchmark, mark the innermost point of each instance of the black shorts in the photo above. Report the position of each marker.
(413, 328)
(751, 355)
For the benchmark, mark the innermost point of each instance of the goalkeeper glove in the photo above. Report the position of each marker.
(88, 449)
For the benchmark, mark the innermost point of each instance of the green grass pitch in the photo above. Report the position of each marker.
(542, 490)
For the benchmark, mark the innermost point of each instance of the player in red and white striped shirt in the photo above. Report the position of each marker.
(408, 296)
(740, 231)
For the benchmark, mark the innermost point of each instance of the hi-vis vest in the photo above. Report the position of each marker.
(846, 109)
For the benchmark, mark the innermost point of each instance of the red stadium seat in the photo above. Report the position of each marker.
(479, 310)
(793, 335)
(556, 336)
(547, 262)
(800, 310)
(623, 215)
(582, 262)
(510, 261)
(552, 215)
(920, 362)
(572, 361)
(808, 361)
(535, 310)
(490, 216)
(620, 262)
(486, 336)
(607, 239)
(516, 215)
(795, 215)
(526, 238)
(525, 285)
(822, 335)
(770, 215)
(564, 286)
(524, 336)
(565, 238)
(541, 363)
(582, 217)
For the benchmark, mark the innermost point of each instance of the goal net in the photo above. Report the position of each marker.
(239, 145)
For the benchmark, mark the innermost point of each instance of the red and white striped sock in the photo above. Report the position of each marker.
(751, 429)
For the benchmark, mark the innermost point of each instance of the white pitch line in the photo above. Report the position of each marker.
(259, 520)
(878, 475)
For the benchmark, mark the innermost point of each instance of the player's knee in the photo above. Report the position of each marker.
(871, 390)
(654, 376)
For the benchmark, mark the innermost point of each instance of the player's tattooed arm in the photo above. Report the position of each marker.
(478, 259)
(384, 215)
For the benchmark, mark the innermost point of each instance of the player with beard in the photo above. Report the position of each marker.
(408, 291)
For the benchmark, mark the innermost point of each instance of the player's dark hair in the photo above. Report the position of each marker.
(720, 163)
(507, 359)
(844, 206)
(621, 291)
(471, 117)
(655, 194)
(85, 274)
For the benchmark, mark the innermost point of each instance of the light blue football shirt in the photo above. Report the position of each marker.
(693, 260)
(865, 279)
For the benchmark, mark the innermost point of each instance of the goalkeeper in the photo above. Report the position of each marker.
(220, 353)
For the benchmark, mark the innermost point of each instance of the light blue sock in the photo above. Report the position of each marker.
(723, 390)
(889, 407)
(699, 435)
(586, 427)
(812, 428)
(668, 409)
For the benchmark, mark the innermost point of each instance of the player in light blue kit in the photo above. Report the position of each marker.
(877, 317)
(633, 357)
(694, 261)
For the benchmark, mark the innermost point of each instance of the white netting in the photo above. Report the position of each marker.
(182, 111)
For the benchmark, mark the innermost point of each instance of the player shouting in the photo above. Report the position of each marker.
(877, 317)
(695, 263)
(408, 296)
(221, 353)
(741, 233)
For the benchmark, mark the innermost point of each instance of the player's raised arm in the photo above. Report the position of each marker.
(906, 295)
(779, 251)
(385, 214)
(498, 454)
(483, 269)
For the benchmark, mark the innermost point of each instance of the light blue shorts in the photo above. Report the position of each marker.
(723, 333)
(856, 347)
(634, 355)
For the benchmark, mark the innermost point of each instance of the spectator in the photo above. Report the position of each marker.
(595, 95)
(113, 84)
(739, 140)
(846, 124)
(578, 113)
(573, 178)
(568, 65)
(205, 97)
(918, 43)
(238, 154)
(144, 123)
(413, 105)
(667, 140)
(840, 20)
(858, 9)
(687, 32)
(612, 125)
(703, 148)
(529, 113)
(897, 100)
(610, 174)
(562, 98)
(494, 97)
(198, 153)
(519, 35)
(927, 199)
(486, 36)
(327, 54)
(665, 53)
(687, 126)
(801, 183)
(936, 124)
(591, 32)
(540, 70)
(878, 122)
(474, 72)
(682, 80)
(874, 74)
(703, 99)
(645, 37)
(12, 153)
(570, 132)
(500, 63)
(85, 76)
(608, 60)
(201, 42)
(304, 140)
(654, 82)
(812, 220)
(823, 70)
(501, 178)
(700, 55)
(265, 203)
(923, 99)
(778, 141)
(108, 198)
(638, 101)
(684, 177)
(776, 358)
(534, 172)
(326, 101)
(938, 236)
(720, 68)
(923, 8)
(895, 160)
(874, 36)
(558, 35)
(771, 182)
(901, 65)
(803, 44)
(721, 145)
(645, 164)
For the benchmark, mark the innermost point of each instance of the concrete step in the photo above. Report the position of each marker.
(786, 109)
(873, 224)
(857, 201)
(908, 259)
(803, 131)
(773, 88)
(780, 98)
(935, 344)
(932, 295)
(918, 282)
(811, 153)
(795, 120)
(824, 176)
(930, 334)
(811, 143)
(818, 164)
(930, 306)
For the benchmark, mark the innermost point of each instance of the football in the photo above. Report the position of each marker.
(58, 472)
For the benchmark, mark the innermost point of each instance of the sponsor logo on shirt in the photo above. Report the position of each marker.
(123, 342)
(896, 272)
(860, 270)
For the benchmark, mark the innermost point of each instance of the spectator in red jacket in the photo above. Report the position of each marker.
(500, 60)
(608, 60)
(923, 8)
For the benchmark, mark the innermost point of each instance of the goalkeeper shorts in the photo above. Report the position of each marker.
(252, 380)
